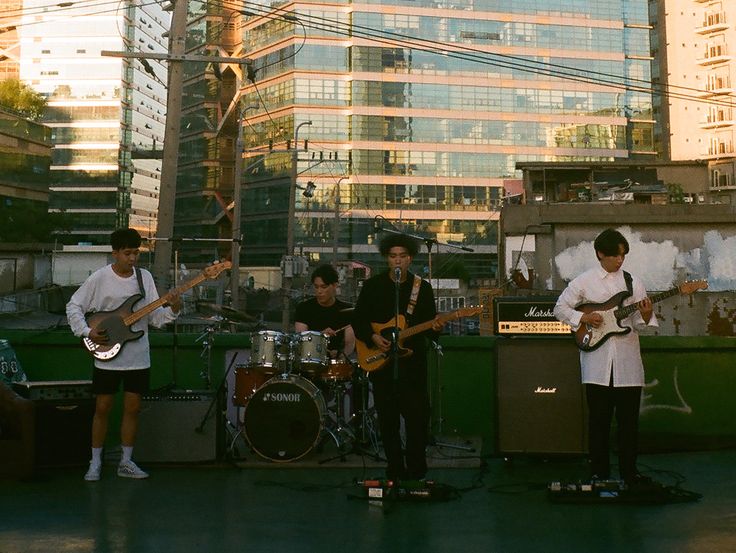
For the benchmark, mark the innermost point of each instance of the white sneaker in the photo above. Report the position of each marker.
(93, 472)
(128, 469)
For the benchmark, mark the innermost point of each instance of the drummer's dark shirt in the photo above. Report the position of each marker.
(316, 317)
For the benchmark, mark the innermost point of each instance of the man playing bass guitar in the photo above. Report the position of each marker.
(613, 372)
(106, 289)
(404, 393)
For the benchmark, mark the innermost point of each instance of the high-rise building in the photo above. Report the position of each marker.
(107, 114)
(417, 111)
(695, 43)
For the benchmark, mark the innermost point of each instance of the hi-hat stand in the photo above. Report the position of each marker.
(360, 429)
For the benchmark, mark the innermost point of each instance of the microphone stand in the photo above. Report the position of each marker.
(395, 331)
(429, 242)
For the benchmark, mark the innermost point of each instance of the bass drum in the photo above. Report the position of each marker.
(284, 418)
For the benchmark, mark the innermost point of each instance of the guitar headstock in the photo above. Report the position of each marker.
(692, 286)
(213, 271)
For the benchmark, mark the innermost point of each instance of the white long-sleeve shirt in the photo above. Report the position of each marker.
(620, 353)
(105, 290)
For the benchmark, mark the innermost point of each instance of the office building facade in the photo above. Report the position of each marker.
(695, 44)
(416, 113)
(107, 114)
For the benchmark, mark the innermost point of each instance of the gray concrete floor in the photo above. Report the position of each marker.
(287, 508)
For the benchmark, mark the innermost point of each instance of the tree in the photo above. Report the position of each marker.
(677, 196)
(20, 97)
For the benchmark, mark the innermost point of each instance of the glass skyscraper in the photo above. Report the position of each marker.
(107, 114)
(419, 111)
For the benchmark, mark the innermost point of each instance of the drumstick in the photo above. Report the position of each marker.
(341, 329)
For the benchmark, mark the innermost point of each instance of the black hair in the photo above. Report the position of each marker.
(327, 273)
(608, 242)
(398, 241)
(125, 238)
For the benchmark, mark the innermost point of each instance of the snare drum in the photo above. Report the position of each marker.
(284, 419)
(247, 381)
(312, 354)
(338, 370)
(266, 351)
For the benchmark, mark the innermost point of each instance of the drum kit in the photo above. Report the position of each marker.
(293, 395)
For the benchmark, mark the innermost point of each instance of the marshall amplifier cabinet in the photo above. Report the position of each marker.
(64, 411)
(180, 426)
(541, 400)
(527, 316)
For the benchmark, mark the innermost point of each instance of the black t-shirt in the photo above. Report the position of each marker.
(316, 317)
(376, 305)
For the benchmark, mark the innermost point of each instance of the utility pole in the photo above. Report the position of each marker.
(286, 273)
(237, 234)
(237, 210)
(169, 165)
(336, 221)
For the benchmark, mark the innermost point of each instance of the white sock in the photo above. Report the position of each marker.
(127, 453)
(96, 456)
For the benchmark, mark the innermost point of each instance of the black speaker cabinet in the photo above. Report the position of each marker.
(541, 400)
(64, 411)
(171, 429)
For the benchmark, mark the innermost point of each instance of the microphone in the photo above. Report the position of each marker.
(397, 274)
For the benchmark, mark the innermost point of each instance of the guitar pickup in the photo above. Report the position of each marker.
(375, 357)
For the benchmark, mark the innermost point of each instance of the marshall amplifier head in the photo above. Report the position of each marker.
(526, 316)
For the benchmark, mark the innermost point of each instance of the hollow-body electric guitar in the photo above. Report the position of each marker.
(371, 358)
(117, 323)
(589, 338)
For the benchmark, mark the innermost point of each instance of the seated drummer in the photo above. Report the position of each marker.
(326, 314)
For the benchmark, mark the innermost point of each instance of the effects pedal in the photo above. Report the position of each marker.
(378, 490)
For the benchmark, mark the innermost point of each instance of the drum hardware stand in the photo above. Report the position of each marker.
(367, 430)
(432, 439)
(216, 399)
(207, 338)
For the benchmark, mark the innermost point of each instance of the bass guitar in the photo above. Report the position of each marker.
(117, 323)
(613, 312)
(371, 358)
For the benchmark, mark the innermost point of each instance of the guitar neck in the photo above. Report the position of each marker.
(138, 315)
(623, 312)
(411, 331)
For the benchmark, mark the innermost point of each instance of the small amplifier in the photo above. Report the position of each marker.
(181, 426)
(527, 316)
(64, 411)
(54, 390)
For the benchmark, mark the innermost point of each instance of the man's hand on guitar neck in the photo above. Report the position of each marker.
(646, 308)
(174, 301)
(437, 324)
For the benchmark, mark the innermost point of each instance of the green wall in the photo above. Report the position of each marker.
(688, 402)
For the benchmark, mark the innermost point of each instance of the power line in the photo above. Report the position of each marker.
(506, 61)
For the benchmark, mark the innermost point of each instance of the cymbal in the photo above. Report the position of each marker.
(224, 311)
(347, 309)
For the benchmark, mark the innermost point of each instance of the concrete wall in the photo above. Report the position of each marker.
(668, 245)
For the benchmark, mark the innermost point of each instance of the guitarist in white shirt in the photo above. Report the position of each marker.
(104, 290)
(613, 372)
(404, 394)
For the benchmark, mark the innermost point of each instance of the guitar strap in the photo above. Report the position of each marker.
(139, 277)
(414, 295)
(629, 283)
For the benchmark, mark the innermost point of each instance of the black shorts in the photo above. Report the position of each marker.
(107, 381)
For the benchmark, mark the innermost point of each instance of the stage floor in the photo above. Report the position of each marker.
(503, 507)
